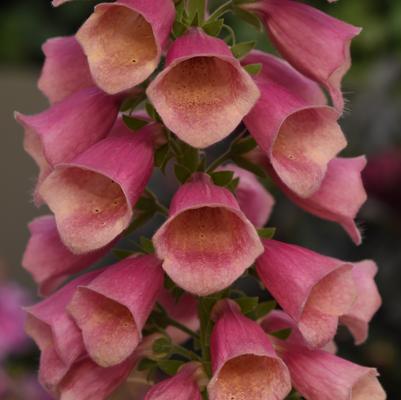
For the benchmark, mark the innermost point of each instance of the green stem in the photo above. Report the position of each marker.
(224, 8)
(182, 327)
(190, 355)
(218, 161)
(159, 206)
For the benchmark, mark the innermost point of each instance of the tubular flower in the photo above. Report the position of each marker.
(313, 289)
(244, 362)
(315, 43)
(92, 196)
(207, 242)
(292, 124)
(123, 41)
(203, 93)
(318, 374)
(47, 258)
(112, 309)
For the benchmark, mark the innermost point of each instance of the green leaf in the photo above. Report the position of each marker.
(134, 123)
(247, 304)
(267, 233)
(146, 245)
(240, 50)
(170, 367)
(182, 173)
(253, 69)
(244, 145)
(248, 165)
(162, 346)
(222, 178)
(249, 17)
(282, 334)
(264, 308)
(213, 28)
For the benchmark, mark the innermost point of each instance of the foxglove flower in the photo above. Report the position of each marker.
(55, 333)
(123, 41)
(182, 386)
(315, 43)
(313, 289)
(368, 301)
(92, 196)
(244, 362)
(65, 70)
(292, 124)
(203, 93)
(207, 242)
(47, 258)
(112, 309)
(340, 196)
(254, 200)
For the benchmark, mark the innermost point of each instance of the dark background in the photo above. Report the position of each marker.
(372, 125)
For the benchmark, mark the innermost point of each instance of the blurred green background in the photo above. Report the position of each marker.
(372, 125)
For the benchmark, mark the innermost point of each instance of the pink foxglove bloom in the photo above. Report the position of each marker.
(182, 386)
(55, 333)
(244, 363)
(203, 93)
(184, 310)
(313, 289)
(123, 41)
(315, 43)
(339, 197)
(67, 128)
(255, 201)
(112, 309)
(292, 124)
(320, 375)
(47, 258)
(368, 301)
(207, 242)
(65, 70)
(93, 195)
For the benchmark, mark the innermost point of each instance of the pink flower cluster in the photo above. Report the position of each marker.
(109, 324)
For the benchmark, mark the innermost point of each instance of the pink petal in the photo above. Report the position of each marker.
(65, 70)
(182, 386)
(183, 310)
(244, 362)
(313, 289)
(367, 303)
(112, 310)
(92, 196)
(123, 41)
(339, 197)
(48, 260)
(203, 93)
(319, 375)
(56, 334)
(254, 200)
(207, 242)
(293, 126)
(315, 43)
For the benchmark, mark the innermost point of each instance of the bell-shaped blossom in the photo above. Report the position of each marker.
(65, 70)
(203, 93)
(368, 300)
(340, 196)
(254, 200)
(12, 335)
(313, 289)
(67, 128)
(207, 242)
(293, 125)
(244, 363)
(123, 41)
(112, 309)
(315, 43)
(47, 258)
(183, 310)
(182, 386)
(92, 196)
(317, 374)
(55, 333)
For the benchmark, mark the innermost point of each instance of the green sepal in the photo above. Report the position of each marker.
(134, 123)
(267, 233)
(253, 69)
(222, 178)
(170, 367)
(248, 165)
(282, 334)
(240, 50)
